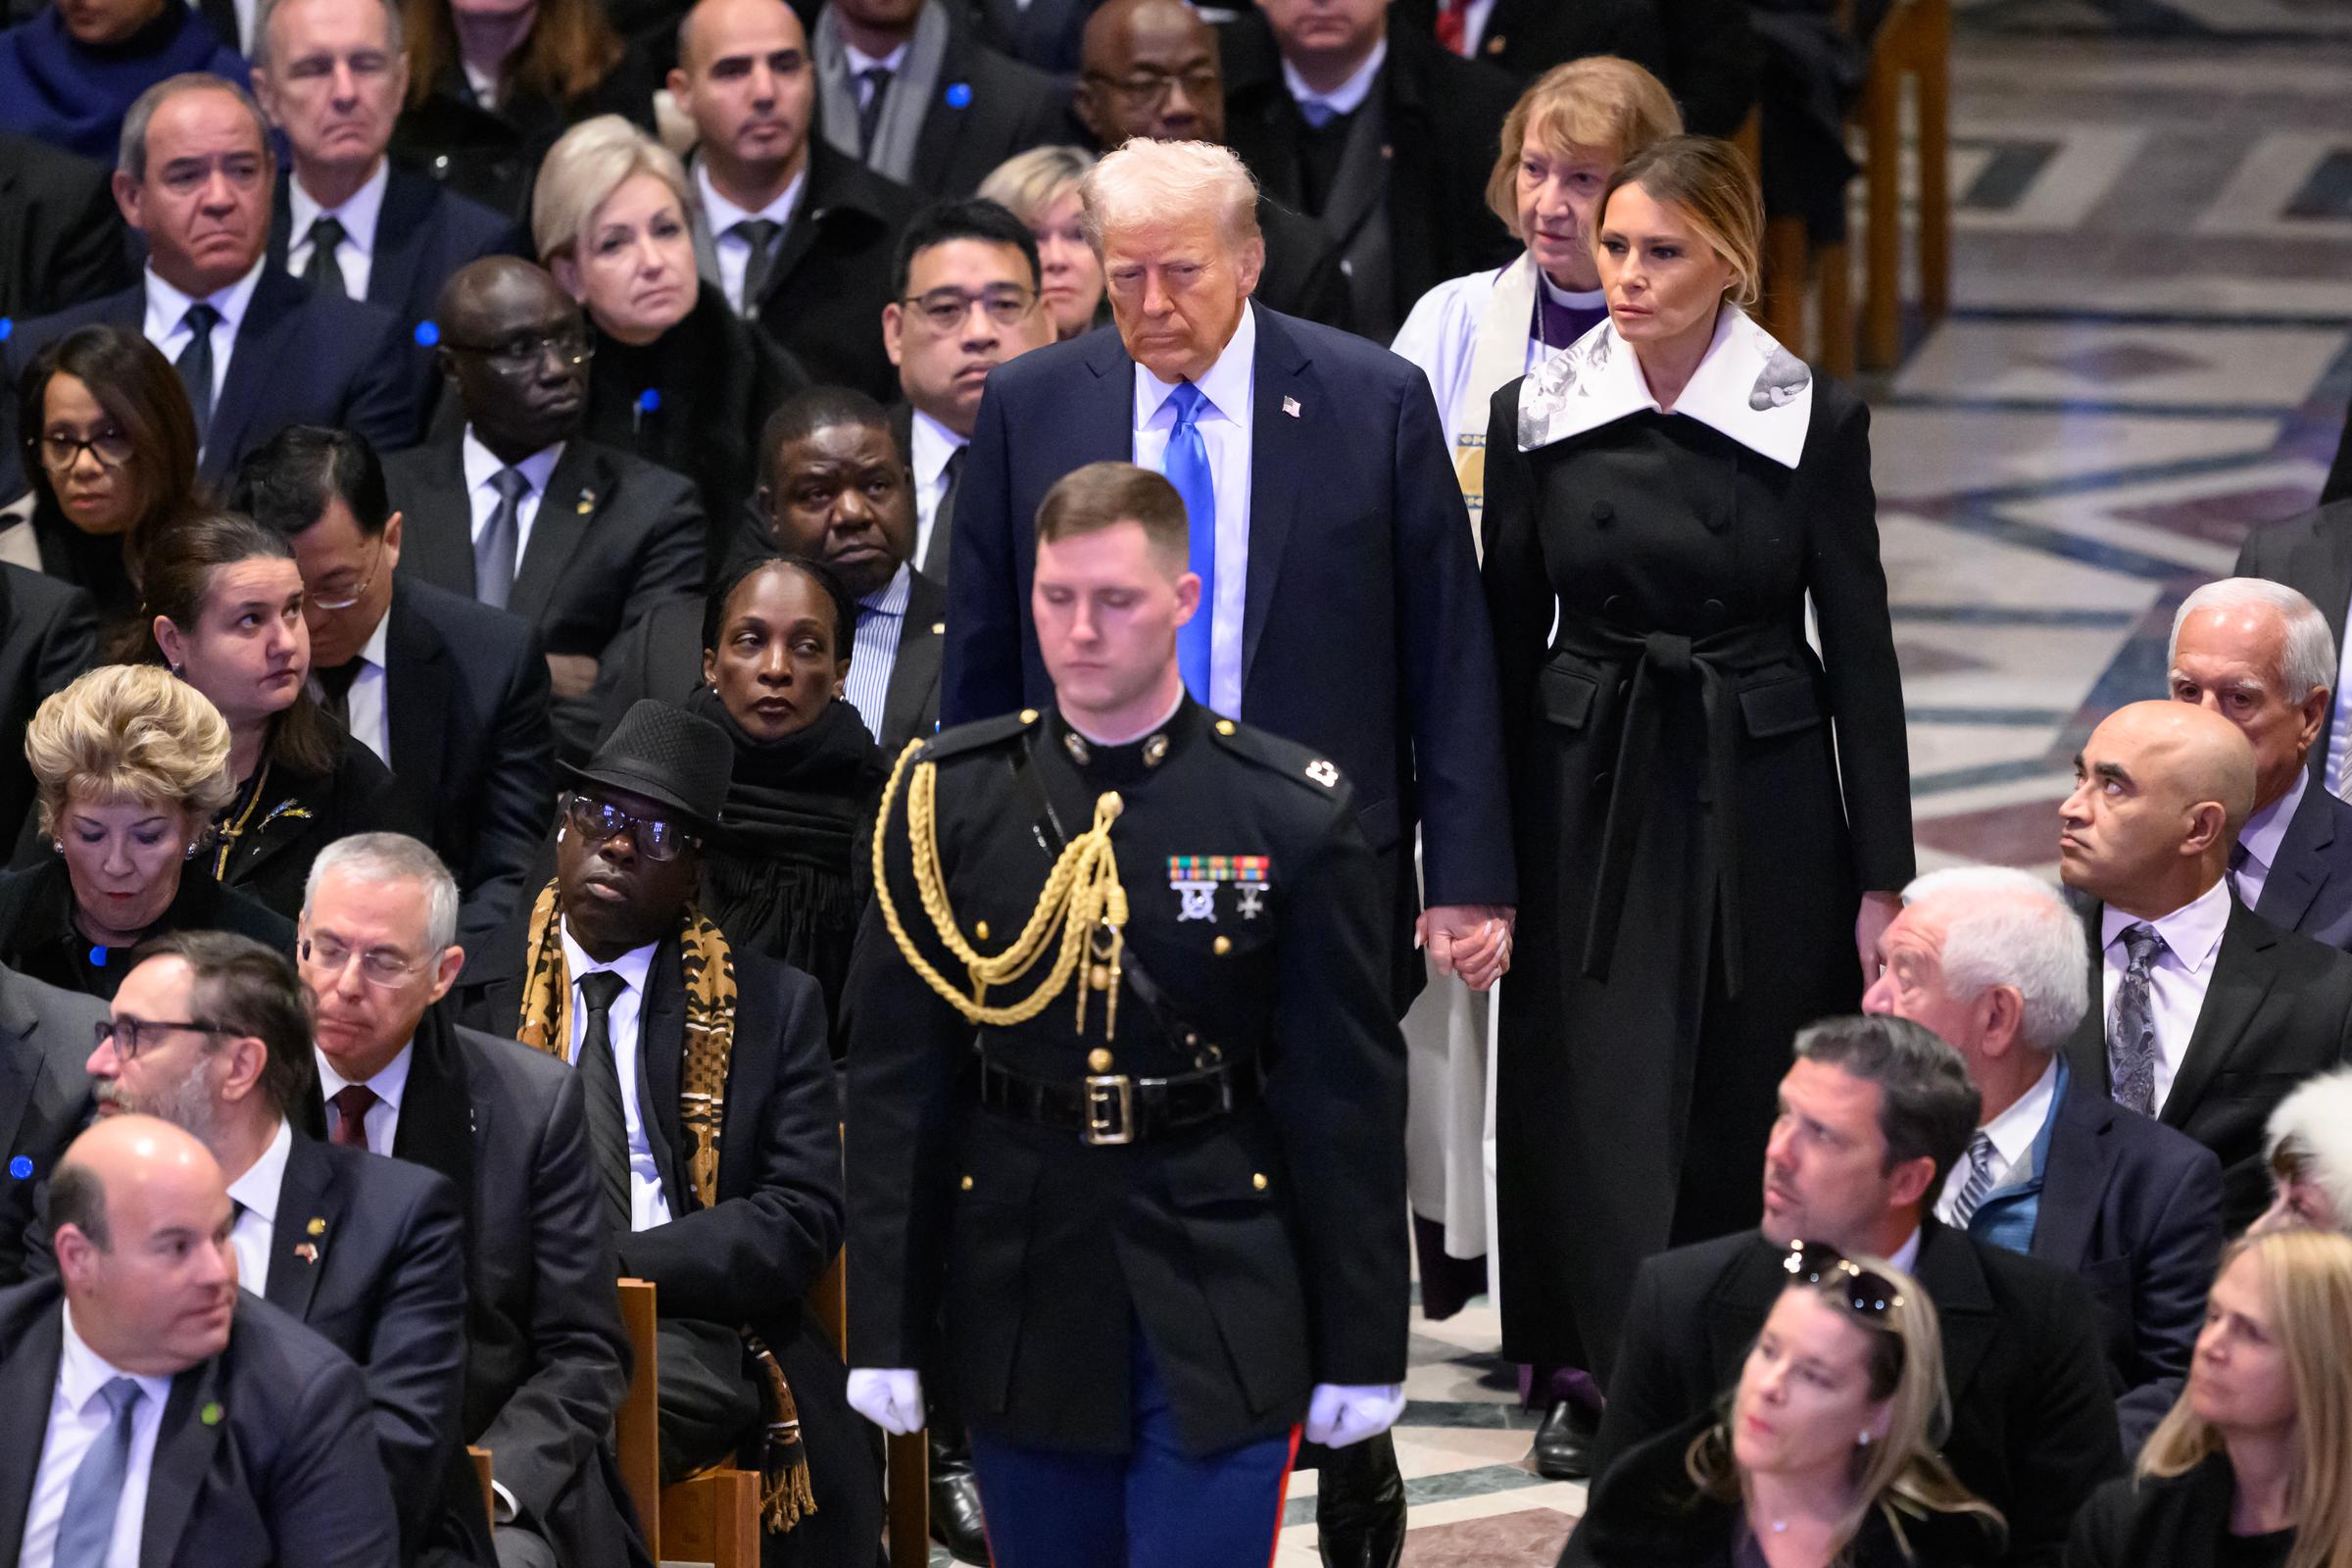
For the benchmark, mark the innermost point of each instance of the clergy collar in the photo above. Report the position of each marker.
(1747, 387)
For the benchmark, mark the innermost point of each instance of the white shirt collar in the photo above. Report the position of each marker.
(83, 1372)
(167, 307)
(358, 216)
(1349, 95)
(2014, 1130)
(860, 62)
(388, 1085)
(2266, 830)
(933, 444)
(482, 465)
(1746, 386)
(632, 966)
(722, 215)
(1227, 385)
(2191, 933)
(1906, 1257)
(258, 1188)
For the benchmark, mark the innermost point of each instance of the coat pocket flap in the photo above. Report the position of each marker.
(1566, 696)
(1782, 707)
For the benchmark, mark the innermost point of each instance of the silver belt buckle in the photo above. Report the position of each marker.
(1110, 1110)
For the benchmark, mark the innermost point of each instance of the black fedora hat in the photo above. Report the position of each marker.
(667, 754)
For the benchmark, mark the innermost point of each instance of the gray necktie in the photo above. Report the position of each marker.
(600, 1077)
(2132, 1030)
(869, 113)
(195, 365)
(760, 233)
(1980, 1179)
(87, 1529)
(495, 552)
(323, 271)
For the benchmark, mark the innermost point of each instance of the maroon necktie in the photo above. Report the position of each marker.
(352, 1102)
(1451, 15)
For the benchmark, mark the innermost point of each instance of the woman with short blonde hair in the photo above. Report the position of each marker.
(1040, 187)
(130, 764)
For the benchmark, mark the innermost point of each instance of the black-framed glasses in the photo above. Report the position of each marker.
(1150, 88)
(335, 596)
(1871, 1295)
(130, 1036)
(944, 309)
(599, 821)
(59, 449)
(526, 351)
(378, 966)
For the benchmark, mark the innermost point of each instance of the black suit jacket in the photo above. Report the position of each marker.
(45, 1037)
(2132, 1208)
(2278, 1009)
(2033, 1421)
(298, 360)
(2309, 892)
(613, 537)
(284, 1470)
(2312, 553)
(1360, 565)
(2179, 1521)
(423, 233)
(48, 636)
(1050, 34)
(384, 1283)
(62, 239)
(473, 748)
(1703, 50)
(1008, 108)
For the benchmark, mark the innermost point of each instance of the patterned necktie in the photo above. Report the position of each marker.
(2132, 1029)
(1980, 1179)
(869, 110)
(323, 271)
(1187, 468)
(600, 1076)
(760, 233)
(352, 1104)
(495, 552)
(87, 1529)
(195, 365)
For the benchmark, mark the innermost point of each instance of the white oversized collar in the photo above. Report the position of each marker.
(1746, 386)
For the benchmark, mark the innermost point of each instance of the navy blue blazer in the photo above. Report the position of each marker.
(45, 1037)
(423, 232)
(2309, 891)
(299, 359)
(1380, 657)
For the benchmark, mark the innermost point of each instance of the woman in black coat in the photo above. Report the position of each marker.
(1711, 822)
(2253, 1466)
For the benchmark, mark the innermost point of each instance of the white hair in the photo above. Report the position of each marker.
(2006, 928)
(2309, 655)
(393, 858)
(1148, 182)
(2318, 1118)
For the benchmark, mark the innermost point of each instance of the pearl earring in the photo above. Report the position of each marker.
(1862, 1441)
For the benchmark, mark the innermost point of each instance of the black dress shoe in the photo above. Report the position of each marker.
(956, 1518)
(1564, 1443)
(1359, 1506)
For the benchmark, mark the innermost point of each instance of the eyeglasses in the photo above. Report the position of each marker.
(945, 309)
(59, 449)
(598, 822)
(333, 596)
(130, 1036)
(526, 351)
(1870, 1295)
(1150, 88)
(378, 966)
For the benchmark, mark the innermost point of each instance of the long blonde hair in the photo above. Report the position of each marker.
(1901, 1473)
(2307, 1285)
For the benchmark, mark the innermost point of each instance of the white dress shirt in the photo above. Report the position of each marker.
(2012, 1133)
(861, 63)
(934, 444)
(167, 324)
(2261, 838)
(874, 647)
(646, 1206)
(79, 1416)
(383, 1117)
(1230, 388)
(2177, 979)
(733, 250)
(1349, 95)
(367, 702)
(257, 1221)
(1906, 1257)
(356, 255)
(1473, 25)
(2339, 731)
(482, 465)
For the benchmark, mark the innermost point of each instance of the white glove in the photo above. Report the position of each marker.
(1337, 1416)
(891, 1397)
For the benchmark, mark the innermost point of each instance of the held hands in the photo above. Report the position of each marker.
(1338, 1416)
(1878, 912)
(1469, 940)
(891, 1397)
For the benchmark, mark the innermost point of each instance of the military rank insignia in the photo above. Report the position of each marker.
(1196, 879)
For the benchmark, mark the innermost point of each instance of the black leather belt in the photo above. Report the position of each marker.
(1114, 1109)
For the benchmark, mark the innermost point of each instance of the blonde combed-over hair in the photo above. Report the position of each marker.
(1148, 182)
(130, 733)
(583, 168)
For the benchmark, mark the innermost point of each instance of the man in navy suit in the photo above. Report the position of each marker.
(1993, 962)
(331, 76)
(2260, 655)
(255, 350)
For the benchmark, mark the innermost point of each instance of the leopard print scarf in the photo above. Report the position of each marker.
(545, 1024)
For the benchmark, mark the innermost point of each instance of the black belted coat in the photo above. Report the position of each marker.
(1690, 856)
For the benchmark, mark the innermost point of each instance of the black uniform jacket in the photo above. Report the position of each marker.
(1261, 1252)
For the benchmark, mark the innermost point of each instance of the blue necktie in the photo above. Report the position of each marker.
(1187, 468)
(88, 1528)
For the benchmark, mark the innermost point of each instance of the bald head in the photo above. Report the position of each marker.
(514, 348)
(1148, 68)
(2161, 790)
(140, 1217)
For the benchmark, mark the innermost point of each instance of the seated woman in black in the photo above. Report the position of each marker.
(131, 766)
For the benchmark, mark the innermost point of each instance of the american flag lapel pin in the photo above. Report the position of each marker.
(1290, 406)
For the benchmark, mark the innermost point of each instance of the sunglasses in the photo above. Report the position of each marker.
(1869, 1294)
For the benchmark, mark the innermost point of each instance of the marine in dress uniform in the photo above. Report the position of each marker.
(1127, 1095)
